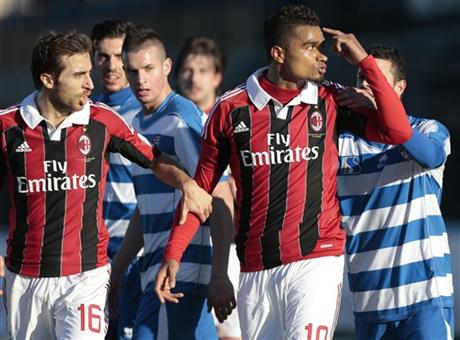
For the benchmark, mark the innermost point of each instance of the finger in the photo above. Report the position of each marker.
(158, 286)
(173, 297)
(171, 279)
(183, 214)
(332, 31)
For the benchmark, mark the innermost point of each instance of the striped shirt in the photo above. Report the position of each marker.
(175, 128)
(56, 181)
(397, 247)
(284, 161)
(120, 198)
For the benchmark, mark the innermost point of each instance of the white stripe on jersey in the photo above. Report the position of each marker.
(188, 272)
(396, 215)
(158, 203)
(120, 192)
(410, 252)
(404, 295)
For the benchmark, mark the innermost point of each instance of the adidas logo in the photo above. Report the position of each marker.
(241, 127)
(24, 147)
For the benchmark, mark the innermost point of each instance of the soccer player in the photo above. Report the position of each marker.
(174, 125)
(120, 199)
(400, 273)
(199, 74)
(53, 152)
(278, 132)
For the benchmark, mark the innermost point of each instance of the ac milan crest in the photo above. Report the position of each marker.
(316, 121)
(84, 145)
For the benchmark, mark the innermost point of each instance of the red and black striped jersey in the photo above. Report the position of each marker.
(56, 182)
(284, 160)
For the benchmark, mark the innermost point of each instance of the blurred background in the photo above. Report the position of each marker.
(426, 32)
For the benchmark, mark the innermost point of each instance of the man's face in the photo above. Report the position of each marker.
(198, 79)
(386, 67)
(303, 59)
(109, 65)
(72, 88)
(147, 71)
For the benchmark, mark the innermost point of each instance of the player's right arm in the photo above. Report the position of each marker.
(211, 165)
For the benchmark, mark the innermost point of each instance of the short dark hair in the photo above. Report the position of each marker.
(199, 45)
(51, 46)
(392, 55)
(279, 26)
(137, 36)
(109, 28)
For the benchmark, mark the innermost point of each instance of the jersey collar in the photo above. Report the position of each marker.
(32, 116)
(260, 98)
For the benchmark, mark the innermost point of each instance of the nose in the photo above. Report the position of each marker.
(112, 62)
(322, 57)
(89, 83)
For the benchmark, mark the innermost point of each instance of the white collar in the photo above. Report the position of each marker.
(260, 98)
(32, 116)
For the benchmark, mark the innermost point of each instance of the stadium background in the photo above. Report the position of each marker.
(427, 32)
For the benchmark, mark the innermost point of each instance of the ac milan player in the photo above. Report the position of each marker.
(199, 72)
(54, 154)
(278, 132)
(120, 199)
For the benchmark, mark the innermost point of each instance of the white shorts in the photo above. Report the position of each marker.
(67, 307)
(299, 300)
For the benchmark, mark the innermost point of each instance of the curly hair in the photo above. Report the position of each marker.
(51, 47)
(279, 26)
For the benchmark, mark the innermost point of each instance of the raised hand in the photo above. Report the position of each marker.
(346, 45)
(195, 200)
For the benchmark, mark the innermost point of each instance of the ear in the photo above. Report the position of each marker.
(217, 79)
(167, 65)
(277, 53)
(400, 87)
(47, 80)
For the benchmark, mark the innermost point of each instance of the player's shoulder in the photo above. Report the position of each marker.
(107, 116)
(428, 125)
(9, 116)
(231, 100)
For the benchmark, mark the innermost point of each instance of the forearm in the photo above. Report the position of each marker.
(425, 151)
(169, 172)
(221, 228)
(390, 125)
(133, 242)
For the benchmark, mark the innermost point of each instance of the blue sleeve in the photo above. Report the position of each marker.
(426, 151)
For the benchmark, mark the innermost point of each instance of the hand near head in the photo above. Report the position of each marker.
(166, 280)
(195, 200)
(347, 46)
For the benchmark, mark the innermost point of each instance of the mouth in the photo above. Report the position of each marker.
(142, 93)
(322, 69)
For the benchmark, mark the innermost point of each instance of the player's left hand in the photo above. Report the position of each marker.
(166, 280)
(221, 297)
(347, 46)
(195, 200)
(355, 98)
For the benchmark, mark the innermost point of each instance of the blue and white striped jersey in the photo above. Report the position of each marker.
(397, 246)
(175, 127)
(120, 198)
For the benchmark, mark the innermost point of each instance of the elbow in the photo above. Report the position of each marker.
(398, 136)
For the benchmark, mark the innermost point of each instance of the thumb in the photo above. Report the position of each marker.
(183, 213)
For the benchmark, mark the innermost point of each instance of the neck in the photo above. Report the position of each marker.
(148, 108)
(49, 111)
(206, 104)
(275, 76)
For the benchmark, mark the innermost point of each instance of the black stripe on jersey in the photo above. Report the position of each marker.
(243, 142)
(90, 231)
(279, 175)
(14, 137)
(309, 228)
(55, 153)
